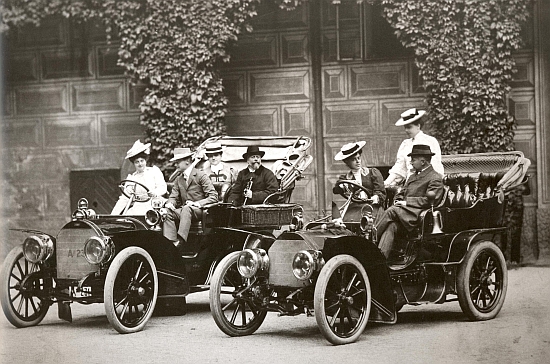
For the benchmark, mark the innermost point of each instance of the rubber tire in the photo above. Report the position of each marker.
(109, 296)
(228, 262)
(465, 273)
(319, 299)
(14, 256)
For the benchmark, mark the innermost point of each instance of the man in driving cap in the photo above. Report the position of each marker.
(412, 122)
(411, 200)
(255, 182)
(191, 191)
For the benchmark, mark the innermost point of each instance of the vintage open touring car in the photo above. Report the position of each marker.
(126, 263)
(341, 277)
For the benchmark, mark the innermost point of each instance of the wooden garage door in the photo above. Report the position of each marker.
(99, 187)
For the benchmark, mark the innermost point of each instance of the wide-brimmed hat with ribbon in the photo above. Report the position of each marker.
(137, 148)
(181, 153)
(253, 150)
(421, 149)
(213, 148)
(348, 150)
(410, 116)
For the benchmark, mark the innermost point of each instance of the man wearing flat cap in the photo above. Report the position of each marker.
(412, 121)
(411, 200)
(192, 190)
(255, 182)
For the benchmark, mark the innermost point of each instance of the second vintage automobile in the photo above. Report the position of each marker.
(340, 276)
(126, 263)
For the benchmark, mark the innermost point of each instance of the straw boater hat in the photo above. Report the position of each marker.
(420, 149)
(410, 116)
(180, 153)
(348, 150)
(213, 148)
(137, 148)
(254, 150)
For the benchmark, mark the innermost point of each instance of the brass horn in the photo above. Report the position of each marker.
(437, 220)
(438, 223)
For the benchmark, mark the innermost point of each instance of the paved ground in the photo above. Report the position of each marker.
(425, 334)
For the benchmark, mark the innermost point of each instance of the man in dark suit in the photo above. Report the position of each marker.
(255, 182)
(411, 200)
(192, 190)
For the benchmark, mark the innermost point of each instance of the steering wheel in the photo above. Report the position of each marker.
(127, 190)
(355, 188)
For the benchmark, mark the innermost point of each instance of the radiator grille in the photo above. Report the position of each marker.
(71, 263)
(281, 254)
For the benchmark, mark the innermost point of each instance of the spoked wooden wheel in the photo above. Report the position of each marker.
(234, 314)
(482, 281)
(21, 281)
(131, 288)
(342, 300)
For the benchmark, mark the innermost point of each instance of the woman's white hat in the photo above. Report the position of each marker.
(348, 150)
(137, 148)
(410, 116)
(180, 153)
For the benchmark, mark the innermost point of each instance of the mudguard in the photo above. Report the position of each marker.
(383, 297)
(462, 241)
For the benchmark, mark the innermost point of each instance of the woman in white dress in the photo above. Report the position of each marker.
(412, 122)
(151, 177)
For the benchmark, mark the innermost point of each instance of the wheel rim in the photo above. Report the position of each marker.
(24, 304)
(133, 291)
(238, 310)
(345, 301)
(486, 280)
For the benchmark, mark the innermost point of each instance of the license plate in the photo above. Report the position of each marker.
(79, 293)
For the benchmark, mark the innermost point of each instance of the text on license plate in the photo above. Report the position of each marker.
(82, 292)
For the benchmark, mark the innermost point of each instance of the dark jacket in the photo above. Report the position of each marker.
(414, 193)
(264, 183)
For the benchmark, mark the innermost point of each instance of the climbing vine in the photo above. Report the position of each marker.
(173, 47)
(463, 50)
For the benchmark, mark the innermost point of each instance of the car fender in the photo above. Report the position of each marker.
(164, 253)
(461, 242)
(368, 254)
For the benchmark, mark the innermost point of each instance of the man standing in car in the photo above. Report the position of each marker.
(255, 182)
(411, 200)
(192, 190)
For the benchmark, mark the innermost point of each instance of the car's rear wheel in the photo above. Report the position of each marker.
(234, 315)
(131, 289)
(20, 280)
(342, 300)
(482, 281)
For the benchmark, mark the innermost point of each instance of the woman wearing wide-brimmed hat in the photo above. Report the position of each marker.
(149, 176)
(412, 121)
(370, 178)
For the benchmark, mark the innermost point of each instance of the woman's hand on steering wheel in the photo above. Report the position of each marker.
(126, 189)
(355, 189)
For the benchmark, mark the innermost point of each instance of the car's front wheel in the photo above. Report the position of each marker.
(131, 289)
(342, 300)
(482, 281)
(20, 281)
(232, 312)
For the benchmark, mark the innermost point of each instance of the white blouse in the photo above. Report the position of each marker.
(153, 179)
(402, 167)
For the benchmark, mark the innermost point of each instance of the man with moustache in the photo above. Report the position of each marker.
(411, 200)
(255, 182)
(192, 190)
